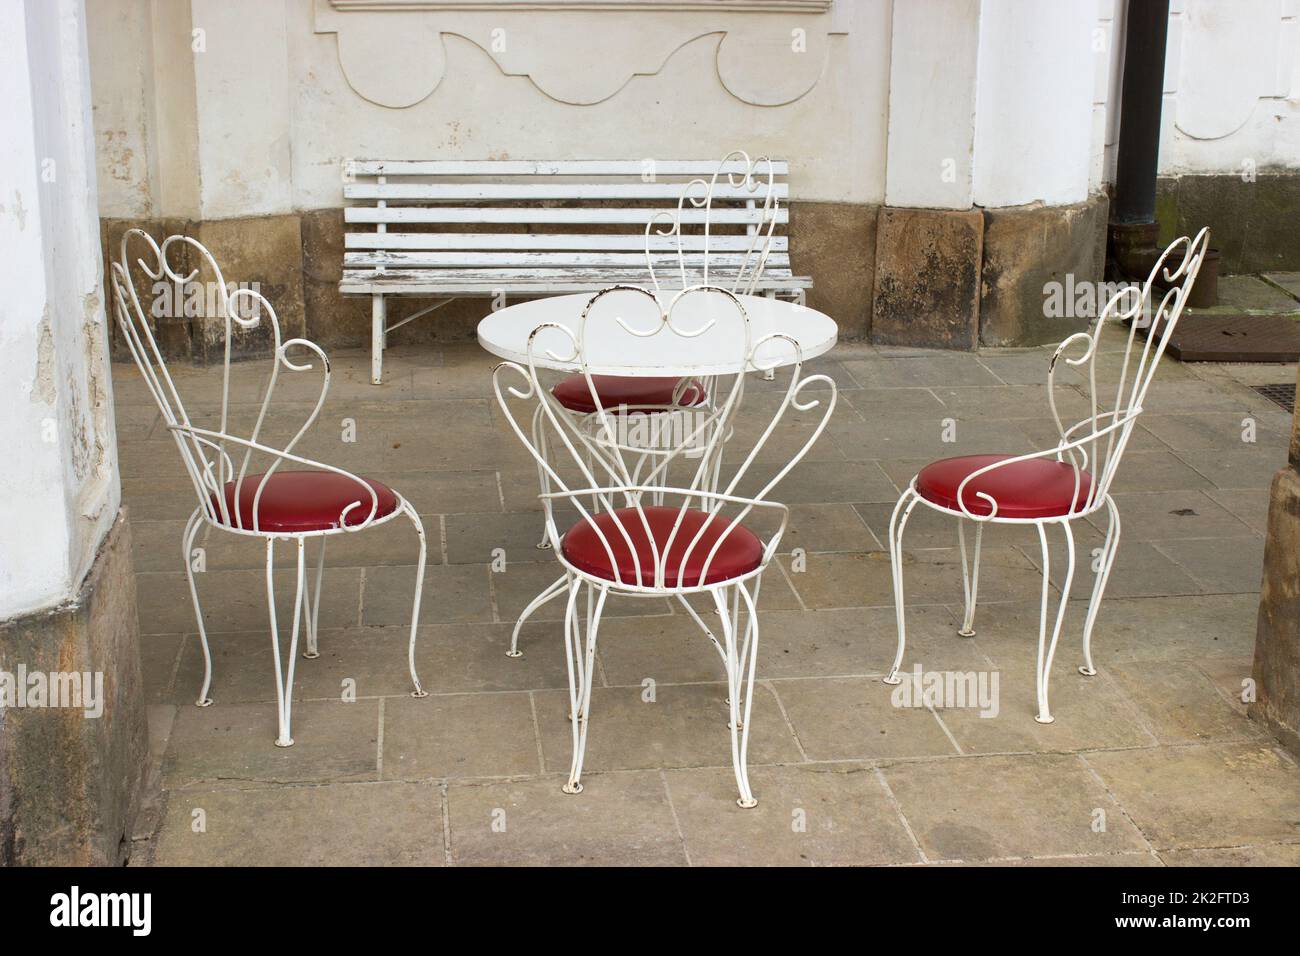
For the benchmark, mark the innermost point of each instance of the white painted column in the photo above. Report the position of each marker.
(59, 467)
(934, 57)
(241, 80)
(990, 102)
(1033, 122)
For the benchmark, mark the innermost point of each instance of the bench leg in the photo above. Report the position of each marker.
(770, 374)
(377, 316)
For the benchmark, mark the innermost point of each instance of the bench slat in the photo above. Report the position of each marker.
(542, 241)
(577, 260)
(564, 167)
(366, 284)
(509, 278)
(533, 214)
(478, 192)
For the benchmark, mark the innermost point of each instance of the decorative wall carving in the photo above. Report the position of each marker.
(1232, 56)
(769, 52)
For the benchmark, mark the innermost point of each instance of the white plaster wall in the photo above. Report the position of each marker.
(939, 103)
(1232, 88)
(277, 113)
(59, 464)
(1232, 91)
(1033, 119)
(121, 54)
(932, 101)
(833, 135)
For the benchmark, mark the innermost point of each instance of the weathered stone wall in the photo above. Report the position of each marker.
(927, 278)
(1254, 222)
(69, 784)
(1277, 637)
(297, 260)
(1025, 249)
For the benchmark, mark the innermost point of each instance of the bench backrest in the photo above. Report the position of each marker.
(563, 224)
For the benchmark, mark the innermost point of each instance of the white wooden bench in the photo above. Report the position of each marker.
(435, 229)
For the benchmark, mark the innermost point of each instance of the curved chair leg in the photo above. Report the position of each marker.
(419, 591)
(539, 441)
(311, 605)
(740, 680)
(187, 543)
(553, 590)
(284, 681)
(896, 525)
(581, 674)
(970, 575)
(1046, 650)
(1099, 585)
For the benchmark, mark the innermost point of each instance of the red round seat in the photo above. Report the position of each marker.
(297, 501)
(1034, 488)
(635, 393)
(740, 552)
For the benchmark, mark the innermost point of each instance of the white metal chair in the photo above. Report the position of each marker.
(689, 257)
(1061, 484)
(271, 505)
(645, 536)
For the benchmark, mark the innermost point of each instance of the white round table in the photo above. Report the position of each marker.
(612, 350)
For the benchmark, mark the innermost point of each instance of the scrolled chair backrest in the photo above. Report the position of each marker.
(209, 454)
(597, 475)
(1096, 444)
(757, 178)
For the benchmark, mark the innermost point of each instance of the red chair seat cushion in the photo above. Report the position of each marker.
(1034, 488)
(739, 553)
(615, 390)
(297, 501)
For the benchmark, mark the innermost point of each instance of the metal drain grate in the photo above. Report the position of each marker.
(1236, 338)
(1283, 395)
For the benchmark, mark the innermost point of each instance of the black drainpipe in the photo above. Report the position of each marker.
(1134, 232)
(1146, 29)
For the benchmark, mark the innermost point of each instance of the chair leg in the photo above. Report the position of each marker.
(539, 442)
(1099, 585)
(378, 338)
(311, 605)
(284, 681)
(1046, 649)
(897, 522)
(419, 591)
(187, 544)
(740, 666)
(970, 575)
(553, 590)
(581, 674)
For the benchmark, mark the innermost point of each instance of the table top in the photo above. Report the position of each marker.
(707, 336)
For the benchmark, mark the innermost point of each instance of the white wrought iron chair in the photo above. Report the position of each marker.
(647, 537)
(1062, 484)
(666, 250)
(271, 505)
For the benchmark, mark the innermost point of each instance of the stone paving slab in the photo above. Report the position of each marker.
(993, 808)
(1254, 295)
(810, 815)
(1290, 281)
(620, 819)
(1220, 795)
(342, 824)
(1158, 741)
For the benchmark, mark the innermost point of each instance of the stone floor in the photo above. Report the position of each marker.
(1151, 762)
